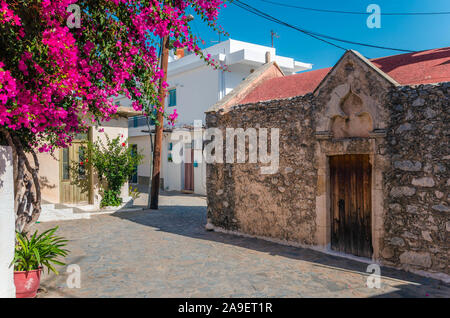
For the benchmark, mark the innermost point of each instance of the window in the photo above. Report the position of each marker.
(134, 176)
(172, 97)
(81, 160)
(81, 136)
(65, 164)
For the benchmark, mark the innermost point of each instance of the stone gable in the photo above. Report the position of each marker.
(355, 110)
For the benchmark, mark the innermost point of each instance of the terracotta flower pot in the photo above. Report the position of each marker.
(27, 283)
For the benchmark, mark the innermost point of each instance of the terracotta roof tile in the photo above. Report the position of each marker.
(287, 86)
(426, 67)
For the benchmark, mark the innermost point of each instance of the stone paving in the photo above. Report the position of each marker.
(167, 253)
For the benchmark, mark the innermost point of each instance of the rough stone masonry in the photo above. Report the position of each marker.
(408, 142)
(417, 182)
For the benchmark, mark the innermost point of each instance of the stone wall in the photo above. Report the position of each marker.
(279, 205)
(417, 223)
(411, 157)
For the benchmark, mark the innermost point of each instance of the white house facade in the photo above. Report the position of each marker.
(193, 88)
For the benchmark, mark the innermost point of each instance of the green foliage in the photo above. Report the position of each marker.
(114, 162)
(36, 251)
(134, 193)
(111, 198)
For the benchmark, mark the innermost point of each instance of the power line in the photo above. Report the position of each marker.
(267, 17)
(351, 12)
(316, 35)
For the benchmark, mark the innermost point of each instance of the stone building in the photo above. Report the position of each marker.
(364, 160)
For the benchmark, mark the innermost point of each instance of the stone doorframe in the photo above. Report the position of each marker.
(326, 147)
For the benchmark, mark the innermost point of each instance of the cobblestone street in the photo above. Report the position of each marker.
(167, 253)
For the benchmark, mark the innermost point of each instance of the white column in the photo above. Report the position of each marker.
(7, 223)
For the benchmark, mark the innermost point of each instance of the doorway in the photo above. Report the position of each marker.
(72, 162)
(188, 168)
(134, 177)
(351, 204)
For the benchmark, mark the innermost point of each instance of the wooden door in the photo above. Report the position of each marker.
(351, 205)
(189, 168)
(70, 192)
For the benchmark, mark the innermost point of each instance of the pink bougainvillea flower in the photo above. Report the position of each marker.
(67, 79)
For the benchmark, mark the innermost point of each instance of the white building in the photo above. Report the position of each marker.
(193, 88)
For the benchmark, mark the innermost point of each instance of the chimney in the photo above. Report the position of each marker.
(179, 53)
(268, 58)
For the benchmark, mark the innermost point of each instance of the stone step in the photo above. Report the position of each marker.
(49, 214)
(60, 212)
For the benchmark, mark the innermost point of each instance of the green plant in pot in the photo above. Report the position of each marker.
(32, 255)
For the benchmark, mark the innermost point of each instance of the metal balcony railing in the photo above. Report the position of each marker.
(138, 121)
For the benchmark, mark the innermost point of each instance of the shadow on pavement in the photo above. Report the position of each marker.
(190, 220)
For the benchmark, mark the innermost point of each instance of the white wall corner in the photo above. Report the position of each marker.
(7, 224)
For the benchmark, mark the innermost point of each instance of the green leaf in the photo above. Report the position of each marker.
(42, 250)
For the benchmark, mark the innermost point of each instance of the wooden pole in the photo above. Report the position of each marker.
(273, 34)
(156, 175)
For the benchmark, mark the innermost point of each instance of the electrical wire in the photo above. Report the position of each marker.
(313, 34)
(262, 15)
(350, 12)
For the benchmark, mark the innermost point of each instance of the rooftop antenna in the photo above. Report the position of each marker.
(273, 34)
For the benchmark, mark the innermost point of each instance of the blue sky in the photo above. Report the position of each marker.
(405, 32)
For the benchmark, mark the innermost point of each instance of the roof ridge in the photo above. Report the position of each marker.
(241, 88)
(401, 69)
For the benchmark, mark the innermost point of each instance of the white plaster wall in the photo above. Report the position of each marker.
(171, 172)
(236, 45)
(137, 131)
(174, 173)
(112, 128)
(144, 147)
(200, 177)
(7, 224)
(48, 175)
(236, 76)
(200, 88)
(197, 90)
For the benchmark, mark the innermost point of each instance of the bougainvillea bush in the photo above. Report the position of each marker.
(57, 78)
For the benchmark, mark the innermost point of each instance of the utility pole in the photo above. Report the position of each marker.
(156, 174)
(273, 34)
(159, 129)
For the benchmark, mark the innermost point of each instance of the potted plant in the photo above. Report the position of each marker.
(31, 256)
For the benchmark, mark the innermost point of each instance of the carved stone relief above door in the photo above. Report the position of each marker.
(353, 121)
